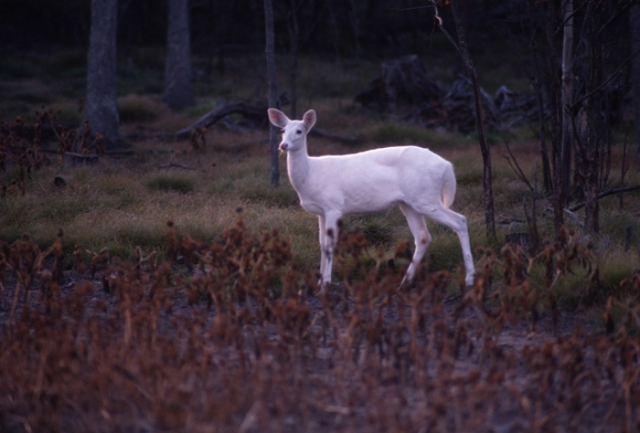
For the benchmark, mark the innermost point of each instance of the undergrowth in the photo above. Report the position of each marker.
(229, 333)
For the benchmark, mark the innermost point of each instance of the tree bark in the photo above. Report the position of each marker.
(539, 84)
(101, 105)
(589, 128)
(273, 90)
(591, 162)
(178, 80)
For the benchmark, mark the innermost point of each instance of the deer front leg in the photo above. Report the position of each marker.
(421, 237)
(322, 239)
(328, 239)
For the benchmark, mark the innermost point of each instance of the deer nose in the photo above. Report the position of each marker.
(284, 146)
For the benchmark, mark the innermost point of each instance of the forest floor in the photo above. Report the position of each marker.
(130, 349)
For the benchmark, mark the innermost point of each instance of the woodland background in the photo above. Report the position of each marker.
(161, 275)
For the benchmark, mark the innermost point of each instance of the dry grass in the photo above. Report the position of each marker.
(221, 336)
(124, 203)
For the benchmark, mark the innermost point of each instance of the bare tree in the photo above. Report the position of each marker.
(593, 123)
(101, 106)
(299, 32)
(463, 49)
(576, 69)
(540, 54)
(294, 38)
(567, 98)
(552, 87)
(273, 90)
(634, 25)
(178, 80)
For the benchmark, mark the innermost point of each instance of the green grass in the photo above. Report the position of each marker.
(121, 205)
(125, 202)
(171, 183)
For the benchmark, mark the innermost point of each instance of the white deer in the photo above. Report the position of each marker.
(420, 182)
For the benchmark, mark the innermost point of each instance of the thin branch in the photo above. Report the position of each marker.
(607, 193)
(604, 83)
(517, 169)
(442, 29)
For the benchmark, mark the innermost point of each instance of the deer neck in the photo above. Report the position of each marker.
(298, 168)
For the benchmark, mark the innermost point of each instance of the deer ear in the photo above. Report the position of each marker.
(309, 119)
(277, 118)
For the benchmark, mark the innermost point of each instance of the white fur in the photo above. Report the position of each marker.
(417, 180)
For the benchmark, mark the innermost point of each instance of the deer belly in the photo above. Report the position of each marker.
(370, 200)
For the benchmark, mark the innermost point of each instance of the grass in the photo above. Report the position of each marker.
(171, 183)
(124, 203)
(139, 109)
(121, 206)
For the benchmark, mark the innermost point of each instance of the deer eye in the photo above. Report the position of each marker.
(298, 131)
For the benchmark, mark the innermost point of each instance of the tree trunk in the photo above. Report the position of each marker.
(539, 84)
(567, 100)
(294, 36)
(589, 128)
(592, 204)
(273, 90)
(547, 179)
(101, 105)
(463, 49)
(178, 80)
(634, 25)
(552, 96)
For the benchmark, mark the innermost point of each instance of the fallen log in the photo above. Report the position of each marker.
(81, 158)
(256, 112)
(171, 164)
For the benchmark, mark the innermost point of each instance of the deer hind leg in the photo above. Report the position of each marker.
(457, 223)
(421, 237)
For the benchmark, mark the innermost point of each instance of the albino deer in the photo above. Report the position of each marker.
(420, 182)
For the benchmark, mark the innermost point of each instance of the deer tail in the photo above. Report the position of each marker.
(448, 186)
